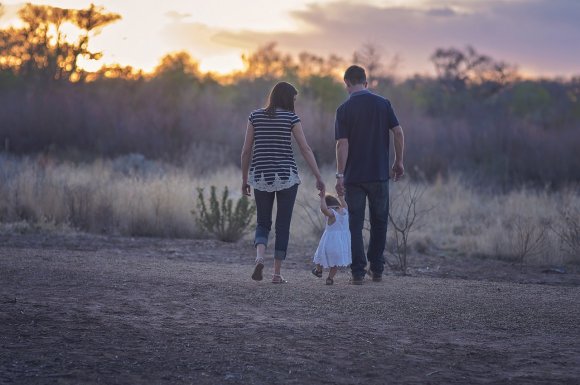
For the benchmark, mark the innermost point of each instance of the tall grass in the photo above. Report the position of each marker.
(136, 197)
(465, 221)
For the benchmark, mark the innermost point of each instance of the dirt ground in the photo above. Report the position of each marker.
(83, 309)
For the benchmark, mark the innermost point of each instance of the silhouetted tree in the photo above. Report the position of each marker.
(457, 69)
(116, 71)
(268, 63)
(369, 57)
(41, 50)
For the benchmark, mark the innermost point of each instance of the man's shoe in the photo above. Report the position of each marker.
(376, 277)
(356, 280)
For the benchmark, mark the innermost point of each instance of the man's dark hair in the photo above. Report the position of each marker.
(355, 75)
(281, 96)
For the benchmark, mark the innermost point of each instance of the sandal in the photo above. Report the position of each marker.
(329, 281)
(277, 278)
(317, 273)
(257, 274)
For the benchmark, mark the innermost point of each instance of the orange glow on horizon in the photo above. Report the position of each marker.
(217, 34)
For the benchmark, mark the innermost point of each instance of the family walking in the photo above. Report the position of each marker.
(362, 128)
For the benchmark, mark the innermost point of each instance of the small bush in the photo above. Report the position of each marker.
(311, 218)
(567, 229)
(217, 217)
(528, 237)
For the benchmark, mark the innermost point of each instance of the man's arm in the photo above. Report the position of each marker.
(399, 143)
(341, 157)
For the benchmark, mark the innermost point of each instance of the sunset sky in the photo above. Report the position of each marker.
(540, 36)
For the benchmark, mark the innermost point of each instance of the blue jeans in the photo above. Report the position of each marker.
(284, 205)
(356, 195)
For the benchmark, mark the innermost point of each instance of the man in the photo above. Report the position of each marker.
(362, 163)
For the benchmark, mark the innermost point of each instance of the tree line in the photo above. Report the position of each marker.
(477, 116)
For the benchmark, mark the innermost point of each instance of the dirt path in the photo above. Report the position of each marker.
(123, 313)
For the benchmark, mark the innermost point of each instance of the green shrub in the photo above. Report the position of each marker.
(217, 217)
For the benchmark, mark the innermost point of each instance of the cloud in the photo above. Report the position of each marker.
(538, 35)
(200, 39)
(9, 12)
(177, 16)
(442, 12)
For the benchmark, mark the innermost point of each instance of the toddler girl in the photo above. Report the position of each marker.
(334, 247)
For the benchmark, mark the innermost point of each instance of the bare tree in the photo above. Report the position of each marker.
(529, 238)
(404, 216)
(311, 214)
(371, 58)
(568, 230)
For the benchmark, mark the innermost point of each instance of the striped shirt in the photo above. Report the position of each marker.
(273, 167)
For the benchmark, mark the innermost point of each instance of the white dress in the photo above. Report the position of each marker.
(334, 246)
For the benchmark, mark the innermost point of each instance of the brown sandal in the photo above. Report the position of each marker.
(329, 281)
(277, 278)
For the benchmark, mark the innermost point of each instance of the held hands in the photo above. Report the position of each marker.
(320, 186)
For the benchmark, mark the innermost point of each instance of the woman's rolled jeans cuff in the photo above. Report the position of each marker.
(278, 254)
(261, 241)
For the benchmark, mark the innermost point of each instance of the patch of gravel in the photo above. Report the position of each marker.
(123, 311)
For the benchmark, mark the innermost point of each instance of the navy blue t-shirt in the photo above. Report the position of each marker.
(365, 120)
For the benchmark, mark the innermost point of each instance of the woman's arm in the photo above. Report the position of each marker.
(246, 156)
(307, 154)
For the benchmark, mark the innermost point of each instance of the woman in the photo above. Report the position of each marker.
(273, 172)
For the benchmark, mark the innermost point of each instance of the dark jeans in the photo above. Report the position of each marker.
(284, 205)
(356, 195)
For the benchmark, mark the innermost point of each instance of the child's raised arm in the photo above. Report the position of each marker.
(342, 201)
(325, 210)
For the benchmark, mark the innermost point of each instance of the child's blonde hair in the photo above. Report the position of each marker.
(331, 201)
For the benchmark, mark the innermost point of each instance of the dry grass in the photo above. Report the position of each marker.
(135, 197)
(465, 221)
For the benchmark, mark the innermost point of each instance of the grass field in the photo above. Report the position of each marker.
(137, 197)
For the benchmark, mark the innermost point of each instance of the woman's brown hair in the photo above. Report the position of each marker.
(281, 96)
